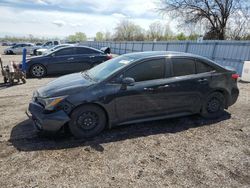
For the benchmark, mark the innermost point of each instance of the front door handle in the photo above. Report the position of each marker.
(148, 89)
(202, 80)
(71, 58)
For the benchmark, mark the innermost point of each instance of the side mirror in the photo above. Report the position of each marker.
(53, 55)
(128, 81)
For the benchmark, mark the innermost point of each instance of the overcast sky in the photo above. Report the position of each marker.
(61, 18)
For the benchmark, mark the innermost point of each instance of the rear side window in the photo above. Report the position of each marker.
(65, 51)
(148, 70)
(85, 51)
(182, 67)
(203, 67)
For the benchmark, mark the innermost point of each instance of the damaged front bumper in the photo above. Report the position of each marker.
(51, 122)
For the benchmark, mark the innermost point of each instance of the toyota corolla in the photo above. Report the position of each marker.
(134, 88)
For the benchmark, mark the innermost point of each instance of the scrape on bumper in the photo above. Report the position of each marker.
(48, 122)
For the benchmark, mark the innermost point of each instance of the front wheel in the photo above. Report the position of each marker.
(87, 121)
(37, 71)
(214, 106)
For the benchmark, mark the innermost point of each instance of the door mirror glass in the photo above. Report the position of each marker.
(128, 81)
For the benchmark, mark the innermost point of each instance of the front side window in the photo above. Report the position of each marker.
(148, 70)
(48, 44)
(182, 67)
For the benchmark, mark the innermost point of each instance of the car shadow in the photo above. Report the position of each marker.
(7, 85)
(24, 137)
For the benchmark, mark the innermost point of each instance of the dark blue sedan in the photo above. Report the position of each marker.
(65, 60)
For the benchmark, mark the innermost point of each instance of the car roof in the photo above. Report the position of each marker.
(73, 46)
(89, 48)
(149, 54)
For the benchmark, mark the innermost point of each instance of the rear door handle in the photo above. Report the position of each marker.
(163, 86)
(71, 58)
(148, 89)
(92, 56)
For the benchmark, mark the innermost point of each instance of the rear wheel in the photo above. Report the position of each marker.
(37, 71)
(87, 121)
(214, 106)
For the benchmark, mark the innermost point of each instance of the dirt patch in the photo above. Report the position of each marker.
(182, 152)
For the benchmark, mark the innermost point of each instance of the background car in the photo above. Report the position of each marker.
(46, 45)
(38, 44)
(65, 60)
(43, 51)
(134, 88)
(18, 48)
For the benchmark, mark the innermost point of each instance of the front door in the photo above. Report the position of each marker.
(62, 61)
(143, 99)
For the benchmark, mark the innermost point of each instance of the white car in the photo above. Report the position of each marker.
(44, 51)
(18, 48)
(46, 45)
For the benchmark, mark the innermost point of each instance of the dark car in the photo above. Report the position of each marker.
(133, 88)
(65, 60)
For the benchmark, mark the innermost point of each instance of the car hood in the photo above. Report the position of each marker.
(42, 49)
(65, 85)
(8, 49)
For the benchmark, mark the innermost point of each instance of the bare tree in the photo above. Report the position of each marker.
(238, 26)
(213, 13)
(107, 36)
(129, 31)
(99, 36)
(156, 31)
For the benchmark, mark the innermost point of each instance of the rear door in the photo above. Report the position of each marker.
(62, 61)
(186, 87)
(86, 58)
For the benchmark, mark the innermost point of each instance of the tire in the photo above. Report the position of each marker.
(87, 121)
(5, 80)
(11, 52)
(214, 106)
(23, 80)
(11, 80)
(38, 71)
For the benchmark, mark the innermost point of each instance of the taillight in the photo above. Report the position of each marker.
(109, 56)
(235, 76)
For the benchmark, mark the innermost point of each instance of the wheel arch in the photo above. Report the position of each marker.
(97, 105)
(225, 94)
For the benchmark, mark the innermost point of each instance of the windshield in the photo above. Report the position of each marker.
(104, 70)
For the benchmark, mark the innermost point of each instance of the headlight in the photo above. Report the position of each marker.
(51, 103)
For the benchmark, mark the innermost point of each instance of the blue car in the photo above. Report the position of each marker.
(65, 60)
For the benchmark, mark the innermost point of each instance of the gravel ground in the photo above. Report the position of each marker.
(182, 152)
